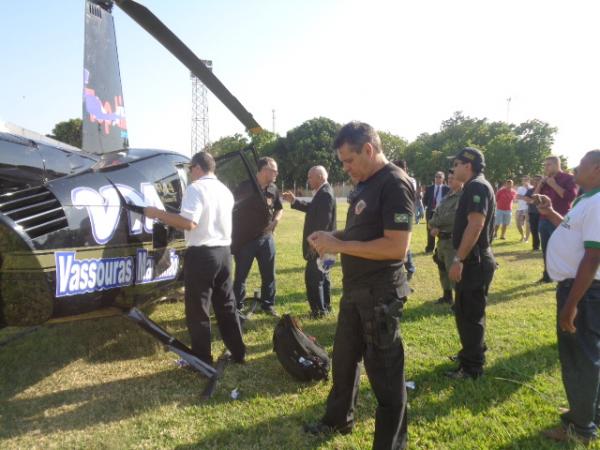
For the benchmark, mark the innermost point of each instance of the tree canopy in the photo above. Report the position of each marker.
(510, 150)
(68, 132)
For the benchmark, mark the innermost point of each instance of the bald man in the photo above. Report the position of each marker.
(320, 216)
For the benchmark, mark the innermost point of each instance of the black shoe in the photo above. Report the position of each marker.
(544, 280)
(453, 358)
(238, 359)
(443, 300)
(462, 374)
(270, 311)
(322, 428)
(317, 314)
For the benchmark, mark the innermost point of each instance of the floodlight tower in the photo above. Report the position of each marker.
(200, 137)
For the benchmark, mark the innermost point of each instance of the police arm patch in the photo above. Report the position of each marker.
(401, 218)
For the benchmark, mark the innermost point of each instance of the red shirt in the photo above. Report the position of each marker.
(561, 205)
(504, 198)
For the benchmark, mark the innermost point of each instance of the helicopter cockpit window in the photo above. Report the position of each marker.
(59, 162)
(21, 166)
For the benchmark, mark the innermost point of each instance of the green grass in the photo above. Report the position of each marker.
(106, 384)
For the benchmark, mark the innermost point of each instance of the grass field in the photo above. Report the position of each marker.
(106, 384)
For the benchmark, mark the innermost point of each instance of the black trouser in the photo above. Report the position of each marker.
(470, 301)
(368, 327)
(318, 287)
(580, 360)
(534, 222)
(430, 239)
(207, 275)
(546, 228)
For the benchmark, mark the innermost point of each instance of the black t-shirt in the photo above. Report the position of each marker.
(383, 202)
(252, 212)
(273, 200)
(531, 208)
(478, 196)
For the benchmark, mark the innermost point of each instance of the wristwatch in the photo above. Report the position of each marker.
(457, 259)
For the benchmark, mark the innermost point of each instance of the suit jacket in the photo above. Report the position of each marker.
(320, 215)
(428, 198)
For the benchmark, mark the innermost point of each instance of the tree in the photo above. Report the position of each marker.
(510, 150)
(305, 146)
(227, 144)
(394, 147)
(534, 145)
(68, 132)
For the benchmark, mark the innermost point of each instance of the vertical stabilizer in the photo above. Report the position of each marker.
(104, 124)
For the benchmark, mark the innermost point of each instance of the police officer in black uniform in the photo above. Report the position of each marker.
(372, 246)
(473, 266)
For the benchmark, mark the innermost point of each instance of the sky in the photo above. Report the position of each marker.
(401, 66)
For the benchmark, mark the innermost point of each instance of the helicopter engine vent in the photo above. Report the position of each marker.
(35, 210)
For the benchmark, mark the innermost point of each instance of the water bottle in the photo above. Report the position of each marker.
(326, 262)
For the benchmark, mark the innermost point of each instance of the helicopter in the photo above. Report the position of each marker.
(73, 238)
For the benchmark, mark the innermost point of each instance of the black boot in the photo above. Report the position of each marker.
(447, 298)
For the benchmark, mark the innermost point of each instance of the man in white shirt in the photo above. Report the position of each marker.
(523, 209)
(573, 260)
(206, 210)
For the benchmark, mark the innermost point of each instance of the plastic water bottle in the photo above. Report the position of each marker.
(326, 262)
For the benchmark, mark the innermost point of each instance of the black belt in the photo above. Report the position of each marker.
(569, 282)
(443, 235)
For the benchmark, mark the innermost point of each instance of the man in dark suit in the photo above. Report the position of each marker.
(320, 216)
(433, 196)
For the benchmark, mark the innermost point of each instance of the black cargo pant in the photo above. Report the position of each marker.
(368, 327)
(470, 302)
(207, 275)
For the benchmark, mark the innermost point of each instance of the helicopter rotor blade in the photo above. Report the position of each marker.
(152, 24)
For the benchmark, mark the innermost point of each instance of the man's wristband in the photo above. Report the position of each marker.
(457, 259)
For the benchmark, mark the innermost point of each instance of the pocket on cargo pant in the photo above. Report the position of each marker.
(388, 311)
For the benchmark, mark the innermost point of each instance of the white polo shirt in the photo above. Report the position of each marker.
(580, 229)
(522, 204)
(208, 203)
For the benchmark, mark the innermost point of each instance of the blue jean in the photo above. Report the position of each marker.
(546, 229)
(263, 249)
(579, 355)
(318, 287)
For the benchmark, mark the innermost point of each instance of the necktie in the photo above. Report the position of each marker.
(435, 191)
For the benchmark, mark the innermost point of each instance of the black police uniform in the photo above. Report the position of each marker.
(478, 271)
(368, 323)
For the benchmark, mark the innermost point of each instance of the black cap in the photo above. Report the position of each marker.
(470, 155)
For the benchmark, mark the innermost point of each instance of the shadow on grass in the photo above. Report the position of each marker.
(283, 431)
(500, 381)
(33, 358)
(539, 442)
(113, 401)
(521, 291)
(518, 255)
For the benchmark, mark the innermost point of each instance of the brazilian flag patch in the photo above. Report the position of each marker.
(476, 199)
(401, 218)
